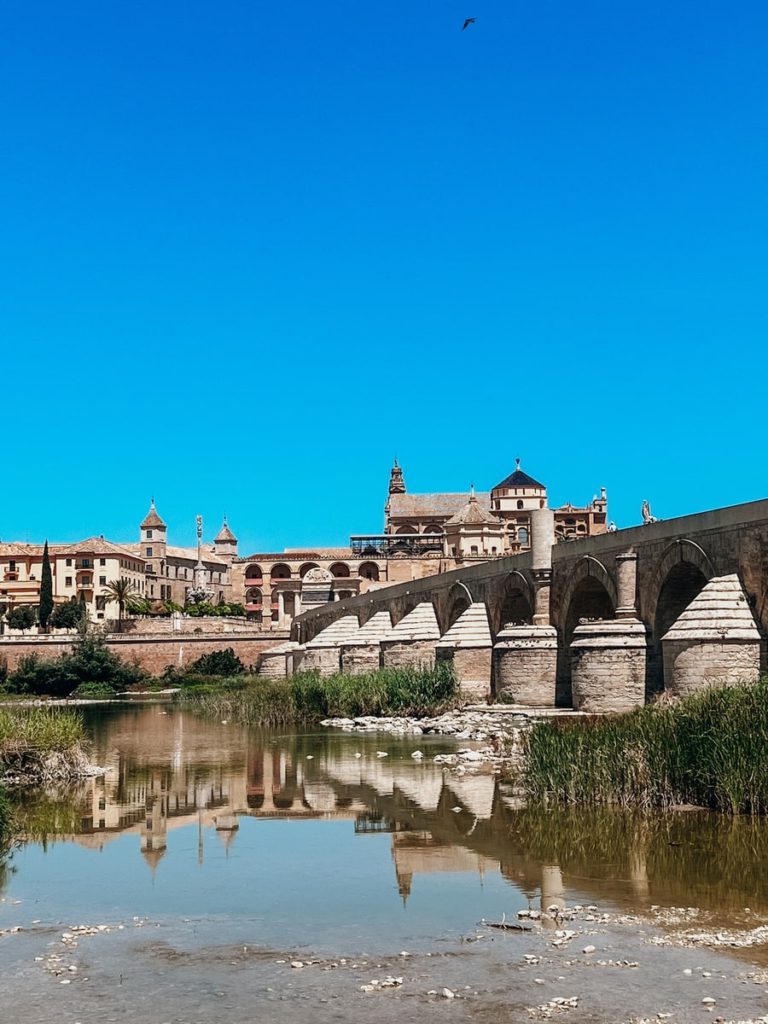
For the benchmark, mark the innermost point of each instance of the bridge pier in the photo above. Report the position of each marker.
(525, 665)
(714, 642)
(468, 645)
(323, 654)
(412, 641)
(361, 652)
(608, 660)
(281, 662)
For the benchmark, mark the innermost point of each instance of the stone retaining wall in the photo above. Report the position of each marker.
(153, 654)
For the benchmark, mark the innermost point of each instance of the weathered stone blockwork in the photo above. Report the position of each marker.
(525, 665)
(608, 666)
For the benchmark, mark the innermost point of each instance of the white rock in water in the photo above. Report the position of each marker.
(589, 949)
(381, 753)
(296, 963)
(358, 754)
(417, 755)
(708, 1001)
(456, 810)
(447, 994)
(367, 988)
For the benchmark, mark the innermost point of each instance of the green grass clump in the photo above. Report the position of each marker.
(45, 730)
(307, 697)
(710, 749)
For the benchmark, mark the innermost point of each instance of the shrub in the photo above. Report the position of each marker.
(218, 663)
(89, 662)
(67, 616)
(22, 616)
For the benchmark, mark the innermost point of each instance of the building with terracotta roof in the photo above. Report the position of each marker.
(437, 525)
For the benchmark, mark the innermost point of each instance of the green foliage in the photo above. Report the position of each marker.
(22, 616)
(138, 605)
(68, 615)
(308, 697)
(93, 691)
(206, 608)
(46, 590)
(44, 729)
(90, 661)
(709, 749)
(121, 592)
(218, 663)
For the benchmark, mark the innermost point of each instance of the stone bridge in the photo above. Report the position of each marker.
(600, 623)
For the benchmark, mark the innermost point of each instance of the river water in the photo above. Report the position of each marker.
(210, 858)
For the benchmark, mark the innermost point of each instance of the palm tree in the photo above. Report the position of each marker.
(120, 591)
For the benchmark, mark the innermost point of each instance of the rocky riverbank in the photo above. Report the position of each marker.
(500, 731)
(29, 767)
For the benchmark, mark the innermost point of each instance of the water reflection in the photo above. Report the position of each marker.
(169, 770)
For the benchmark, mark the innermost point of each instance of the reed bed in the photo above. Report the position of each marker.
(710, 749)
(307, 697)
(46, 730)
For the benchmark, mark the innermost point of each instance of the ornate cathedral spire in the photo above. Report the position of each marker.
(396, 482)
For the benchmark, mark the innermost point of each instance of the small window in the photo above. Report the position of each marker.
(102, 561)
(67, 581)
(69, 561)
(520, 504)
(473, 549)
(149, 552)
(11, 567)
(102, 581)
(149, 535)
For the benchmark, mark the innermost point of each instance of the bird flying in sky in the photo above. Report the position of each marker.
(468, 22)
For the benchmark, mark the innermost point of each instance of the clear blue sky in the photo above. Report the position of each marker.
(251, 251)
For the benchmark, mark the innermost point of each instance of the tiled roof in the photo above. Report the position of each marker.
(519, 479)
(225, 534)
(185, 554)
(89, 546)
(473, 513)
(432, 506)
(152, 518)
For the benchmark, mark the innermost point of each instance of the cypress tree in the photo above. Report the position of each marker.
(46, 590)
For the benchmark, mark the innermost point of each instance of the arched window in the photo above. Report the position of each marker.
(306, 567)
(520, 504)
(433, 528)
(280, 571)
(339, 569)
(253, 572)
(522, 535)
(406, 529)
(368, 571)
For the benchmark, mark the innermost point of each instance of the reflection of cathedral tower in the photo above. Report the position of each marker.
(154, 833)
(404, 883)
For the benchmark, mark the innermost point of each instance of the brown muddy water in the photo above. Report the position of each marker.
(219, 874)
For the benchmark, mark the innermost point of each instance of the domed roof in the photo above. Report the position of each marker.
(472, 514)
(225, 533)
(152, 518)
(519, 479)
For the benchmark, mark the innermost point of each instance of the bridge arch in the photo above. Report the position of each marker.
(514, 602)
(682, 573)
(452, 606)
(590, 593)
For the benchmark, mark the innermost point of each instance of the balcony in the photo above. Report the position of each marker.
(84, 563)
(85, 584)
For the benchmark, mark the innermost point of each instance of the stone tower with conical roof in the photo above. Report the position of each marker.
(153, 536)
(225, 542)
